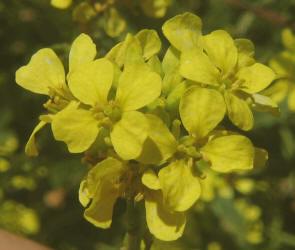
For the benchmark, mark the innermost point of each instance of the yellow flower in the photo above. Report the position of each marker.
(224, 65)
(45, 74)
(154, 8)
(111, 179)
(227, 66)
(61, 4)
(78, 126)
(284, 65)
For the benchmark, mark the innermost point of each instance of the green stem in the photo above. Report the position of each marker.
(134, 228)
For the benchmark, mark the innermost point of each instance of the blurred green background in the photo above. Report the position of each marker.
(39, 196)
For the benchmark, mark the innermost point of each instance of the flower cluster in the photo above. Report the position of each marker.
(114, 23)
(146, 125)
(284, 66)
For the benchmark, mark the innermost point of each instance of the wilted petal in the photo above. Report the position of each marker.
(31, 148)
(161, 223)
(100, 211)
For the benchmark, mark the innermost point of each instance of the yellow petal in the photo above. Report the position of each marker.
(238, 111)
(246, 51)
(173, 99)
(288, 39)
(160, 144)
(100, 211)
(61, 4)
(201, 110)
(92, 81)
(114, 24)
(83, 51)
(229, 153)
(138, 86)
(183, 31)
(118, 53)
(161, 223)
(31, 148)
(83, 193)
(208, 185)
(261, 157)
(256, 77)
(196, 66)
(110, 170)
(155, 64)
(278, 91)
(265, 104)
(133, 54)
(44, 71)
(154, 8)
(181, 188)
(84, 12)
(150, 42)
(221, 50)
(171, 80)
(76, 127)
(150, 179)
(171, 59)
(129, 134)
(283, 64)
(291, 97)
